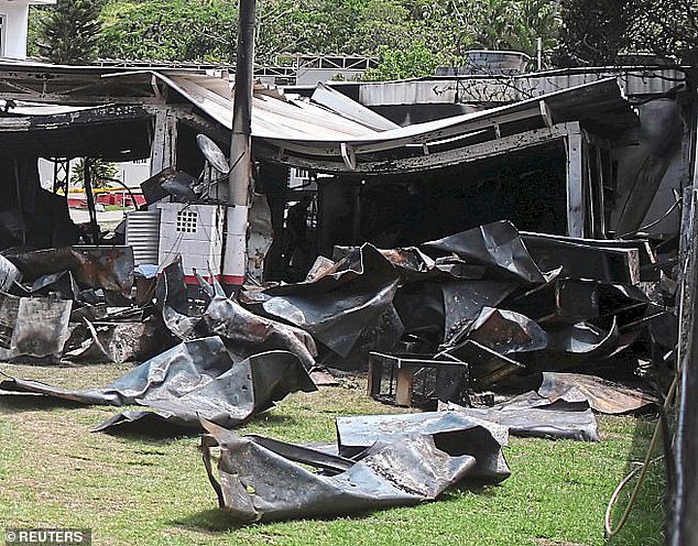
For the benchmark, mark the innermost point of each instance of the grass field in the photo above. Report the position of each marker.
(143, 491)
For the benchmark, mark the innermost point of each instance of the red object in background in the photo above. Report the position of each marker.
(79, 201)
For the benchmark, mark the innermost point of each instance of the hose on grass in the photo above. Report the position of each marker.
(642, 467)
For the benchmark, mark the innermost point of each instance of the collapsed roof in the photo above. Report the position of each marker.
(328, 132)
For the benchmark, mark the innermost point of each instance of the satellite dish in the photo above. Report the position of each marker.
(213, 154)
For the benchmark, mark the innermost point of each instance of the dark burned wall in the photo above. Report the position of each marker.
(652, 167)
(30, 215)
(527, 188)
(189, 157)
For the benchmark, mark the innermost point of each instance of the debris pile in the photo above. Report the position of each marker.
(485, 309)
(73, 303)
(499, 332)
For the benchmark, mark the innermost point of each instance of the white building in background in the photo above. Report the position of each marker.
(131, 173)
(14, 22)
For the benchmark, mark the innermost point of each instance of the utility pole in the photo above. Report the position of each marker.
(240, 177)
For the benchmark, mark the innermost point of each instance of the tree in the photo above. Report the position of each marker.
(170, 30)
(669, 28)
(595, 32)
(600, 32)
(68, 32)
(398, 64)
(101, 171)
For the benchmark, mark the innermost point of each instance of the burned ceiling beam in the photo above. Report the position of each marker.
(116, 133)
(418, 161)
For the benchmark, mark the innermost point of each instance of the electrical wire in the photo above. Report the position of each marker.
(642, 467)
(671, 209)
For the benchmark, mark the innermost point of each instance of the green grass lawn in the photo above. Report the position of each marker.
(142, 491)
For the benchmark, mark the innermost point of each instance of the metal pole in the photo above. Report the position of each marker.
(240, 177)
(91, 202)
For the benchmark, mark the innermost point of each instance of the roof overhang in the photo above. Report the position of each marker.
(112, 132)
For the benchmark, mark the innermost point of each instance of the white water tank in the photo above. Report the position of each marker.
(488, 62)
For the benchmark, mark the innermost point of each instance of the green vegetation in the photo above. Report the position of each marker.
(67, 33)
(410, 37)
(139, 490)
(101, 171)
(175, 30)
(600, 32)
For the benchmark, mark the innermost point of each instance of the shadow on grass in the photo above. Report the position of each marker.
(20, 403)
(213, 520)
(216, 520)
(645, 524)
(159, 431)
(151, 432)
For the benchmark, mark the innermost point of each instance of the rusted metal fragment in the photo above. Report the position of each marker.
(171, 289)
(602, 395)
(586, 259)
(61, 283)
(192, 379)
(536, 417)
(483, 440)
(577, 344)
(336, 318)
(497, 246)
(41, 329)
(504, 331)
(465, 300)
(9, 274)
(422, 311)
(380, 335)
(350, 263)
(110, 268)
(246, 333)
(411, 263)
(9, 308)
(182, 326)
(116, 341)
(320, 268)
(486, 366)
(33, 327)
(263, 481)
(347, 308)
(564, 300)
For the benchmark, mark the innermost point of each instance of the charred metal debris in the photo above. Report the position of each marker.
(491, 330)
(478, 328)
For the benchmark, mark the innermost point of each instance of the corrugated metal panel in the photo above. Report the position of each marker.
(143, 235)
(338, 102)
(596, 100)
(408, 92)
(271, 117)
(636, 82)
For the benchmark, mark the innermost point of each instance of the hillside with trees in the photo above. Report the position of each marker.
(409, 37)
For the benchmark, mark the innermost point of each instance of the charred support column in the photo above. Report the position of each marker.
(575, 181)
(163, 150)
(240, 178)
(91, 201)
